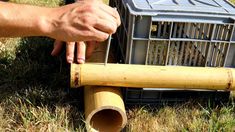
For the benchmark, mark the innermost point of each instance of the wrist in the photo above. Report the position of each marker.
(44, 22)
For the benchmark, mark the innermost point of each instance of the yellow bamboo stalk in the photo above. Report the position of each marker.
(139, 76)
(104, 107)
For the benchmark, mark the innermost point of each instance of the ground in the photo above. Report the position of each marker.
(34, 95)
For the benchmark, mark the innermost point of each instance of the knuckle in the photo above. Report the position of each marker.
(116, 14)
(83, 20)
(89, 34)
(113, 29)
(88, 20)
(104, 37)
(90, 8)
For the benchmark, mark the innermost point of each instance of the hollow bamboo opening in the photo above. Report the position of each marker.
(107, 120)
(105, 110)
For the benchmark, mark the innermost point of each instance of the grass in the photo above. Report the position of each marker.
(34, 95)
(33, 85)
(187, 118)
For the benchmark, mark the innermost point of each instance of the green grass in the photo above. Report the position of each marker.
(33, 95)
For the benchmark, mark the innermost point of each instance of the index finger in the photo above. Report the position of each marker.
(111, 11)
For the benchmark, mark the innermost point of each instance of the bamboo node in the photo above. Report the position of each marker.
(230, 80)
(76, 79)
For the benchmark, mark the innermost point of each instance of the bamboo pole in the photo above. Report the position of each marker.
(139, 76)
(104, 107)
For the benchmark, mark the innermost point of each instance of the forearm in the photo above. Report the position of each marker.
(22, 20)
(81, 21)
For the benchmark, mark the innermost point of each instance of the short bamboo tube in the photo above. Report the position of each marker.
(139, 76)
(104, 107)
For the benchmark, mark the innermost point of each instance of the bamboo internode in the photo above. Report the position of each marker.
(139, 76)
(104, 107)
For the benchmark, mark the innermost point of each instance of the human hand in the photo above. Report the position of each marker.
(82, 21)
(84, 50)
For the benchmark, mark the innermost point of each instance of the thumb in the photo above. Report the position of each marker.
(57, 48)
(90, 47)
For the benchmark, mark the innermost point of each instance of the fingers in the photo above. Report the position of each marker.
(70, 49)
(112, 12)
(100, 17)
(81, 52)
(85, 20)
(105, 23)
(98, 36)
(57, 47)
(90, 47)
(108, 19)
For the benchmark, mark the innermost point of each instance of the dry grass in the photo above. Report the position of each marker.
(182, 118)
(32, 85)
(23, 115)
(34, 98)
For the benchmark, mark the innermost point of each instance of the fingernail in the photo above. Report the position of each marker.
(81, 60)
(70, 60)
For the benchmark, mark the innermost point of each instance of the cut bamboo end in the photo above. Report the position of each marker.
(106, 120)
(141, 76)
(105, 109)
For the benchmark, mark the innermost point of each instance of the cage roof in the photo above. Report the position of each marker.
(220, 7)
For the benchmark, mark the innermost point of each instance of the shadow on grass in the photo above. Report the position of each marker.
(38, 79)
